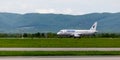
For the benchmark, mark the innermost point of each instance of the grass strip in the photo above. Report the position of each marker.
(59, 53)
(61, 42)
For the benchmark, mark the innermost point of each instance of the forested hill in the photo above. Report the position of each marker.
(35, 22)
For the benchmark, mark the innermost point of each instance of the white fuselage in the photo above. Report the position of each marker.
(73, 32)
(78, 33)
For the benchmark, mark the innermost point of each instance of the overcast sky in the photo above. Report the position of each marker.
(60, 6)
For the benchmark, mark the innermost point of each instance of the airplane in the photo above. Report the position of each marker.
(78, 33)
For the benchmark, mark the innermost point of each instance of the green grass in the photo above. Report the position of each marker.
(59, 53)
(61, 42)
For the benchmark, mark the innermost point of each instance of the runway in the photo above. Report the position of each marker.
(62, 58)
(59, 49)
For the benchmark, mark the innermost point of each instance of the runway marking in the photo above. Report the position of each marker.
(62, 58)
(59, 49)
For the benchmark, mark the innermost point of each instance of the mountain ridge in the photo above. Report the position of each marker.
(36, 22)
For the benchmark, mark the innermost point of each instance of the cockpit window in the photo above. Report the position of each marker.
(61, 31)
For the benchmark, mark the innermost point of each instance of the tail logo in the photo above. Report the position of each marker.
(94, 26)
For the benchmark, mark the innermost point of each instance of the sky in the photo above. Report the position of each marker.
(73, 7)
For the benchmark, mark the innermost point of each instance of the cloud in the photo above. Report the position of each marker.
(59, 6)
(68, 11)
(55, 11)
(46, 10)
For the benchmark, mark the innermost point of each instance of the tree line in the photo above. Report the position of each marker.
(54, 35)
(28, 35)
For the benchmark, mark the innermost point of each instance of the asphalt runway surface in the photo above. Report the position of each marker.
(59, 49)
(62, 58)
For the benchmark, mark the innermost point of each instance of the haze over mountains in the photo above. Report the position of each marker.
(35, 22)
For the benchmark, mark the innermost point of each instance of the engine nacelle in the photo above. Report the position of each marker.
(76, 35)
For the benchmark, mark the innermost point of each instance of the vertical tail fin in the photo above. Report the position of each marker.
(94, 26)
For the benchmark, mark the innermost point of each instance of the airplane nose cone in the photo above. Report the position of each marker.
(58, 33)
